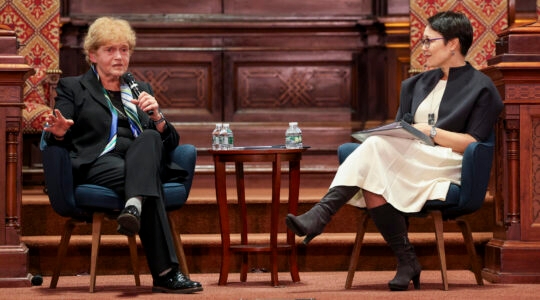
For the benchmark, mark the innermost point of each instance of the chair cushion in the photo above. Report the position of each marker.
(84, 199)
(101, 198)
(97, 198)
(175, 195)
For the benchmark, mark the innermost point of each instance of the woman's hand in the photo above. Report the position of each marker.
(457, 141)
(148, 103)
(425, 128)
(57, 125)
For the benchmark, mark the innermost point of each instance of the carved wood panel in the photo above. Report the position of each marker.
(233, 7)
(287, 7)
(281, 86)
(254, 61)
(293, 86)
(101, 7)
(530, 171)
(187, 85)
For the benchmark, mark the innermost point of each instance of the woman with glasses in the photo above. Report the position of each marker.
(455, 105)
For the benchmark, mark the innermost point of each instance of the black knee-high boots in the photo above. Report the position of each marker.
(312, 223)
(392, 225)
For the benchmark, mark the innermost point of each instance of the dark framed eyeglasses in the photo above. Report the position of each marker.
(426, 42)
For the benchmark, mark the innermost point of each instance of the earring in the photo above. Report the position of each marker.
(452, 52)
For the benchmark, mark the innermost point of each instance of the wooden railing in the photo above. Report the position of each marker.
(13, 72)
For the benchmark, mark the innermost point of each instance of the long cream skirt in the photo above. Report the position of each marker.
(407, 173)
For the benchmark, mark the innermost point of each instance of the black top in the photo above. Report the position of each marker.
(124, 136)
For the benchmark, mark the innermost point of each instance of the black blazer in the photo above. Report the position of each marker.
(81, 99)
(470, 104)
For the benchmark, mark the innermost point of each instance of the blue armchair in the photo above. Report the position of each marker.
(460, 201)
(89, 203)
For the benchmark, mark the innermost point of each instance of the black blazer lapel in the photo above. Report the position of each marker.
(94, 87)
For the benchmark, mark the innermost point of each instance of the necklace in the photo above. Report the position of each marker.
(435, 101)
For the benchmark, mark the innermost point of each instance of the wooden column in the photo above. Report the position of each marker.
(513, 255)
(13, 72)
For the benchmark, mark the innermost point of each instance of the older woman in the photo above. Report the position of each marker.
(452, 103)
(117, 141)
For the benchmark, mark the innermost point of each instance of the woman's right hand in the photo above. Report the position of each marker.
(57, 125)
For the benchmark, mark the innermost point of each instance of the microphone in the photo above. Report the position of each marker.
(36, 280)
(408, 117)
(134, 86)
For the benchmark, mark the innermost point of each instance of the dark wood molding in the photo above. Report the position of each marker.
(13, 253)
(512, 254)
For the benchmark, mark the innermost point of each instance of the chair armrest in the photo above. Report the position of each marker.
(475, 173)
(59, 181)
(344, 150)
(185, 156)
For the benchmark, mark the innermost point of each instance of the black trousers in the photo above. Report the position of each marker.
(137, 173)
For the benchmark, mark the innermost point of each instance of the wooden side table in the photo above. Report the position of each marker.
(238, 157)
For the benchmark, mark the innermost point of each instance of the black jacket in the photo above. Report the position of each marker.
(81, 99)
(470, 104)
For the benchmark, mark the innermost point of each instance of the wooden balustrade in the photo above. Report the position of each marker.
(513, 255)
(13, 72)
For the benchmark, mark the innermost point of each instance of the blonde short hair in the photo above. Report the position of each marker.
(106, 30)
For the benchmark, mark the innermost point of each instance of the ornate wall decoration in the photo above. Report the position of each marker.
(293, 87)
(177, 87)
(523, 91)
(535, 204)
(37, 25)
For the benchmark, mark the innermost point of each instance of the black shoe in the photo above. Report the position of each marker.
(129, 221)
(175, 282)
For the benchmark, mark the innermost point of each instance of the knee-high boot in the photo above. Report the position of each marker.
(312, 222)
(392, 224)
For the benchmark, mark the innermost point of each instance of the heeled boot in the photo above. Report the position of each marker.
(312, 222)
(392, 224)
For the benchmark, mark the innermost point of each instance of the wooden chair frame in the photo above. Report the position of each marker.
(97, 222)
(436, 215)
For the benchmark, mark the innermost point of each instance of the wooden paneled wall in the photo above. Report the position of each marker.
(258, 61)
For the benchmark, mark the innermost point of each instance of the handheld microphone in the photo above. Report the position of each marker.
(134, 86)
(408, 117)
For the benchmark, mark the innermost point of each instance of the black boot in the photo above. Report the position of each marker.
(392, 224)
(312, 223)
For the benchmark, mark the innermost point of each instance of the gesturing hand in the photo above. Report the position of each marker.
(57, 124)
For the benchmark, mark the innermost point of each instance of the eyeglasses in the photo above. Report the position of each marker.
(426, 42)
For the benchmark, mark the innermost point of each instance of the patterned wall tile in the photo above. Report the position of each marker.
(488, 18)
(37, 26)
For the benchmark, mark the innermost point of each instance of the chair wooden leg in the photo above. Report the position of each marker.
(96, 239)
(469, 243)
(438, 222)
(62, 250)
(179, 247)
(360, 231)
(134, 259)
